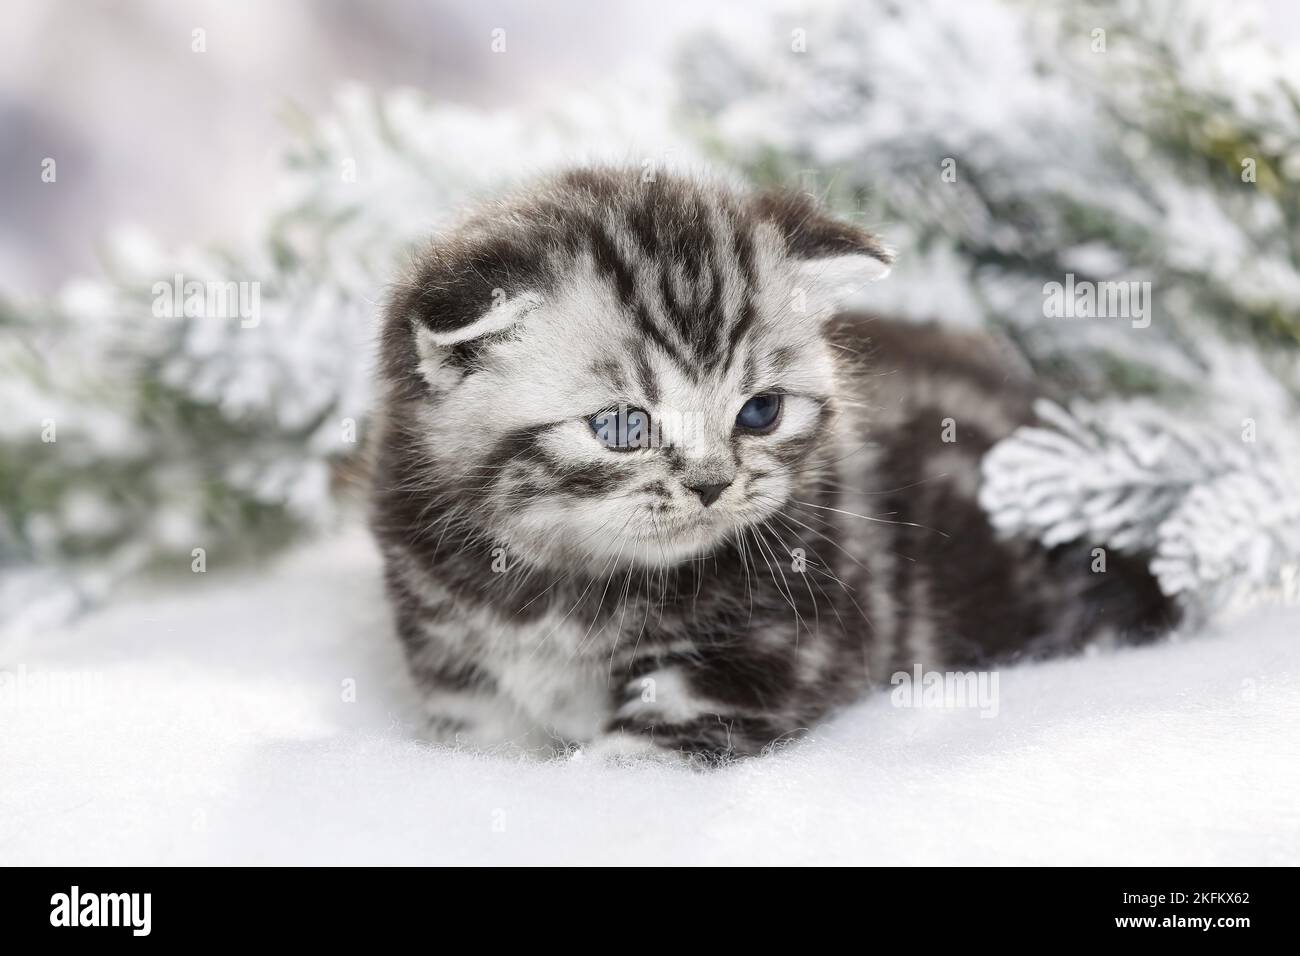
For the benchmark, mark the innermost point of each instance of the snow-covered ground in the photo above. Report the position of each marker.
(208, 722)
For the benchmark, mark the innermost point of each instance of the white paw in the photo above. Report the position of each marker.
(625, 750)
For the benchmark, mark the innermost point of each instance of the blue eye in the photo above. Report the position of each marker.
(622, 428)
(760, 413)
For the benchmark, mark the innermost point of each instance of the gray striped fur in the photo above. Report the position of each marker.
(552, 592)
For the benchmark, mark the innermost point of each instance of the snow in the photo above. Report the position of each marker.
(205, 721)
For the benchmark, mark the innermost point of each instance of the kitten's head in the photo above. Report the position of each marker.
(610, 371)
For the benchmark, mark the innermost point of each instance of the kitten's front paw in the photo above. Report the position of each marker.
(620, 749)
(441, 729)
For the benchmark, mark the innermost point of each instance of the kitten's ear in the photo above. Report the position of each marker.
(442, 329)
(458, 292)
(833, 259)
(455, 293)
(439, 331)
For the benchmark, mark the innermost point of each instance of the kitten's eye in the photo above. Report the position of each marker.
(623, 428)
(760, 413)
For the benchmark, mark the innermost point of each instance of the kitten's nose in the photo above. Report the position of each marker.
(709, 493)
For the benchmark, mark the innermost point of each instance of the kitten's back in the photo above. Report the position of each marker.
(935, 401)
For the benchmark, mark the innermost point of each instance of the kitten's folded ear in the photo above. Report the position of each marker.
(435, 336)
(833, 259)
(447, 328)
(459, 291)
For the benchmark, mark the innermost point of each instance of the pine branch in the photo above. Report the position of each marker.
(1215, 511)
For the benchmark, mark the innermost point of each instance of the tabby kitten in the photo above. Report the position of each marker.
(641, 487)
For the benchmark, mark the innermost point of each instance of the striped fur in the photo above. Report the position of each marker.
(551, 591)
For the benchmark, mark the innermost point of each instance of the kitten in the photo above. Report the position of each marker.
(641, 487)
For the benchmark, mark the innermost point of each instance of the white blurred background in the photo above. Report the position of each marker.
(147, 132)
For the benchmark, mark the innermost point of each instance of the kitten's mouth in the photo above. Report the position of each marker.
(649, 536)
(673, 527)
(687, 535)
